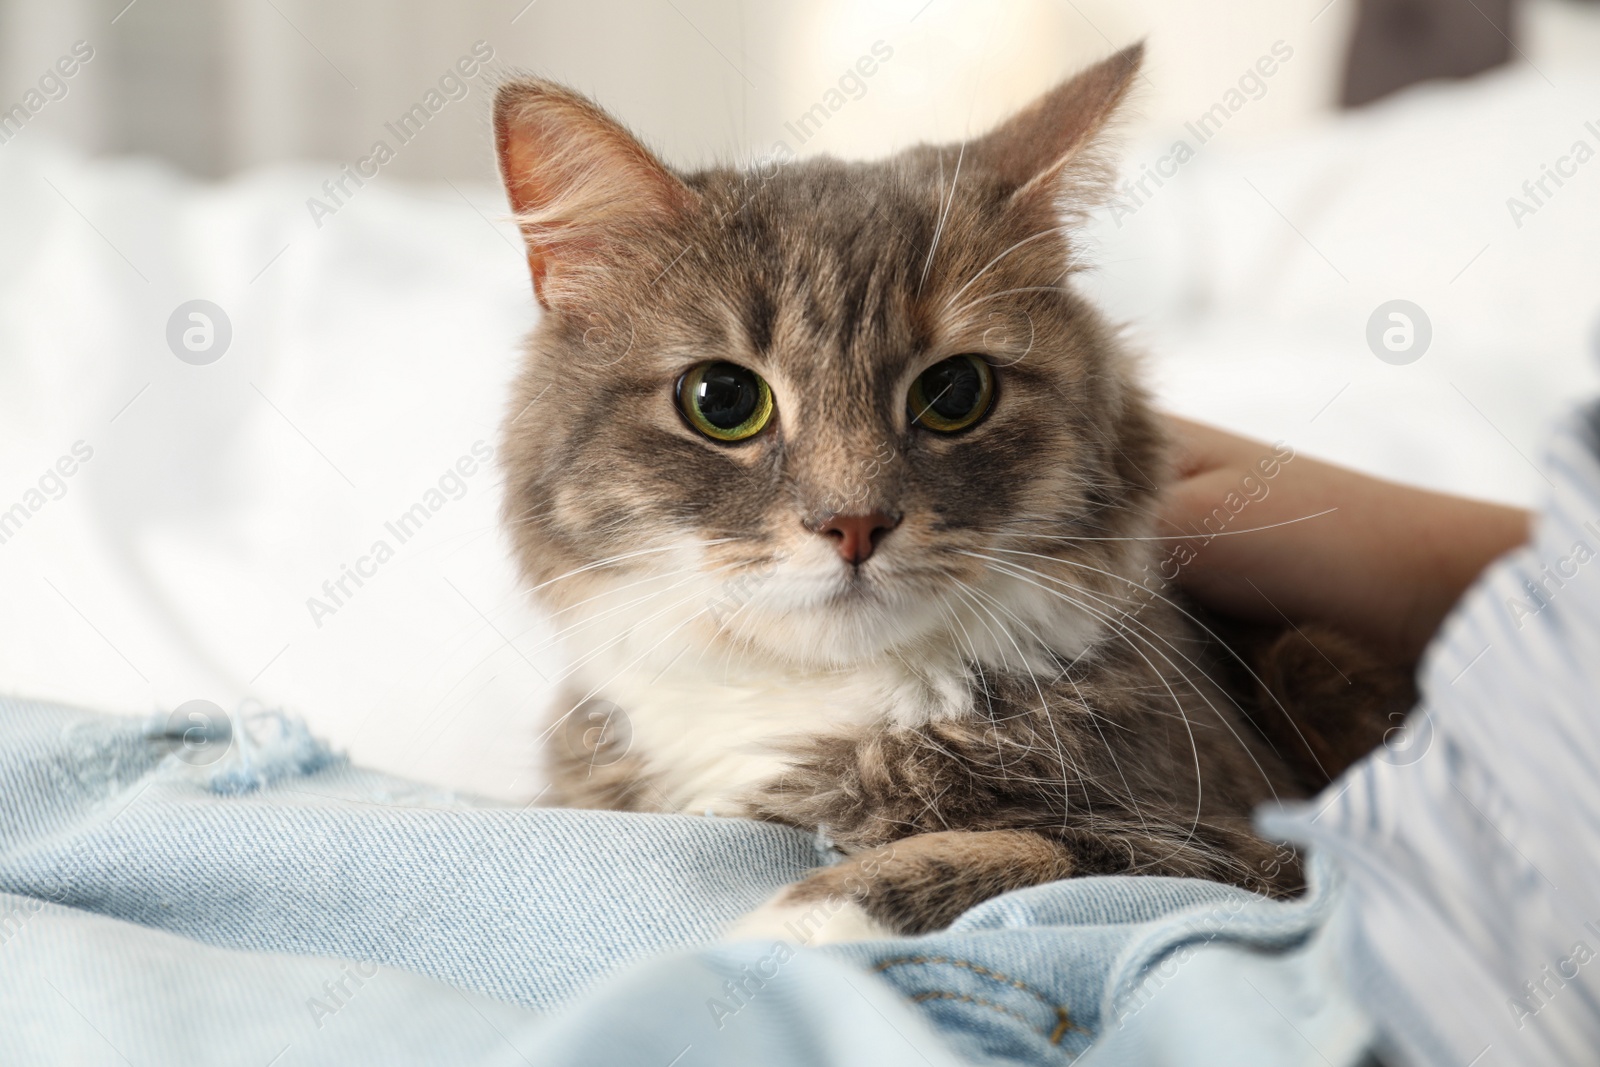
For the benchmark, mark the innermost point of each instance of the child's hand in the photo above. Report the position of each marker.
(1384, 561)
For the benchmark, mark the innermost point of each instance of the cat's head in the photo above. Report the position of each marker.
(823, 411)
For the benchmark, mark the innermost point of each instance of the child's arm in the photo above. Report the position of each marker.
(1387, 564)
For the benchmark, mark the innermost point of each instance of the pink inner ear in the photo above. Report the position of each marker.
(575, 176)
(527, 150)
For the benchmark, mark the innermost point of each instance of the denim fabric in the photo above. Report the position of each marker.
(1223, 1001)
(81, 988)
(813, 1012)
(1135, 971)
(529, 905)
(282, 869)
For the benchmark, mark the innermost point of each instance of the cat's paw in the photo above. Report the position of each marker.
(827, 920)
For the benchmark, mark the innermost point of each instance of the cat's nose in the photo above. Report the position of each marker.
(858, 535)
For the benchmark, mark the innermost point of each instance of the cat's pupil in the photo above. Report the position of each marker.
(727, 395)
(952, 387)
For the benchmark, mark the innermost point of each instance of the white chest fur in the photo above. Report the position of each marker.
(707, 730)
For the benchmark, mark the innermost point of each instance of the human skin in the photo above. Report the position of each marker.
(1383, 561)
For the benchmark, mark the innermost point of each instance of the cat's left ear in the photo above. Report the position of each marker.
(1047, 148)
(579, 183)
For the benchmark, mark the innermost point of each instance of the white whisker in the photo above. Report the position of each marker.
(986, 267)
(1179, 608)
(938, 228)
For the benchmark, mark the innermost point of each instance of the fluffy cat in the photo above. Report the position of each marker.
(841, 498)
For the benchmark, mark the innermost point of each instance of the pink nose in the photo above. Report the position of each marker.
(857, 535)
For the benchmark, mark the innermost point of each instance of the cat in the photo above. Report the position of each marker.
(842, 500)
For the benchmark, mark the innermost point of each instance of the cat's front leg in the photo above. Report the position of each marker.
(910, 886)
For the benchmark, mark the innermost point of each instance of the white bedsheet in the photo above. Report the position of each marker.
(369, 355)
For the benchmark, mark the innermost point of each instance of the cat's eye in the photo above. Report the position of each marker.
(725, 401)
(953, 394)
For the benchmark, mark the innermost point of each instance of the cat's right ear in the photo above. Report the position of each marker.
(1048, 152)
(577, 181)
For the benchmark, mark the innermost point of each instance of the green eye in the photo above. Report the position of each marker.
(952, 395)
(725, 401)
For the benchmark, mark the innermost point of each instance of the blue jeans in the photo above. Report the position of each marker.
(280, 903)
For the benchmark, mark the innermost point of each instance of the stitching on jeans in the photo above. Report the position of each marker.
(1064, 1021)
(900, 961)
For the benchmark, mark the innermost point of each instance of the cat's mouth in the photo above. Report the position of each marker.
(855, 591)
(855, 582)
(804, 603)
(825, 594)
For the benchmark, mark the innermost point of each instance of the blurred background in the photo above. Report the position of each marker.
(361, 310)
(218, 86)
